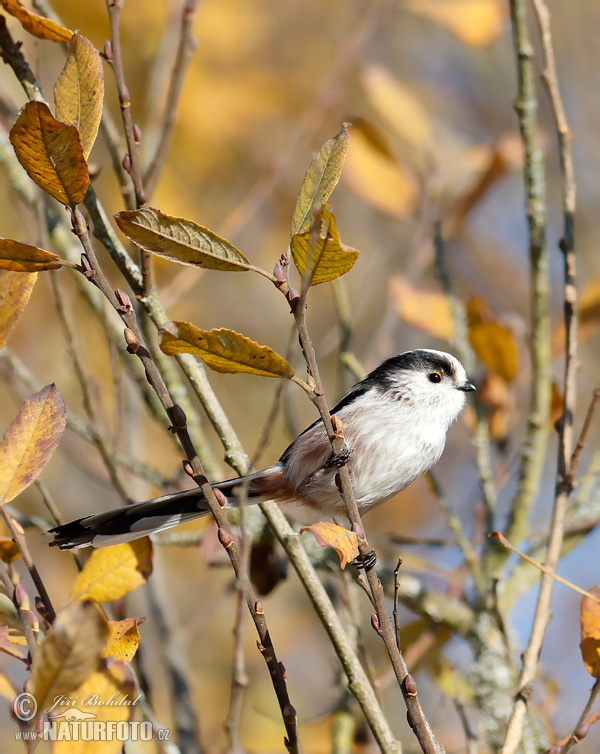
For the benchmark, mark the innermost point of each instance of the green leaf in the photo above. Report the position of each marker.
(180, 240)
(223, 350)
(320, 179)
(322, 258)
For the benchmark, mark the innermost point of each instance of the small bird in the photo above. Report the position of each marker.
(394, 421)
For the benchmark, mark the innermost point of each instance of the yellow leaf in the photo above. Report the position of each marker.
(69, 654)
(124, 638)
(318, 253)
(9, 550)
(425, 310)
(492, 342)
(40, 27)
(450, 681)
(398, 106)
(375, 176)
(106, 698)
(79, 91)
(321, 178)
(15, 291)
(30, 441)
(7, 646)
(344, 542)
(589, 619)
(475, 24)
(180, 240)
(21, 257)
(15, 629)
(223, 350)
(112, 572)
(50, 152)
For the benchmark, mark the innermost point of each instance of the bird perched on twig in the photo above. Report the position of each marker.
(395, 423)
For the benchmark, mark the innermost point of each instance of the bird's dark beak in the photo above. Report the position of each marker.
(468, 387)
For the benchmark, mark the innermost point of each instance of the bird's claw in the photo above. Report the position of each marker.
(338, 459)
(365, 562)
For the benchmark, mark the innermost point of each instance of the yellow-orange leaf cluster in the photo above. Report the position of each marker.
(344, 542)
(589, 619)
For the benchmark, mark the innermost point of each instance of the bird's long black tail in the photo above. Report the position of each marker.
(140, 519)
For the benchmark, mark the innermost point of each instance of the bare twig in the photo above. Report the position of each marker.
(584, 722)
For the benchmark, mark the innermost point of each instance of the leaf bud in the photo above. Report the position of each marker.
(21, 598)
(375, 622)
(137, 134)
(133, 343)
(581, 732)
(124, 96)
(123, 300)
(410, 687)
(221, 499)
(178, 417)
(127, 163)
(225, 538)
(258, 608)
(293, 297)
(108, 50)
(187, 467)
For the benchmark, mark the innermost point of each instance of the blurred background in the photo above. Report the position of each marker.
(428, 87)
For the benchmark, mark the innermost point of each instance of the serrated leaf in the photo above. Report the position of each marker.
(426, 310)
(376, 177)
(398, 106)
(123, 639)
(322, 258)
(223, 350)
(180, 240)
(21, 257)
(40, 27)
(15, 290)
(79, 91)
(321, 178)
(112, 572)
(107, 698)
(69, 654)
(30, 441)
(51, 154)
(344, 542)
(492, 342)
(589, 619)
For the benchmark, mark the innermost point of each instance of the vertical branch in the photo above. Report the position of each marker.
(565, 470)
(534, 448)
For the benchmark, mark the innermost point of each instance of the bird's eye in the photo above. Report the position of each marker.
(435, 377)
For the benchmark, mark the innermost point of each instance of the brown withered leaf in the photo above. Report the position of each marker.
(21, 257)
(30, 441)
(223, 350)
(321, 178)
(318, 254)
(180, 240)
(344, 542)
(15, 290)
(374, 174)
(51, 153)
(79, 91)
(492, 342)
(589, 619)
(39, 26)
(123, 639)
(423, 309)
(69, 654)
(112, 572)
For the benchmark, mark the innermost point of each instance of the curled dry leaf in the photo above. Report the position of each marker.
(40, 27)
(423, 309)
(492, 342)
(51, 153)
(589, 619)
(21, 257)
(344, 542)
(223, 350)
(15, 290)
(123, 639)
(69, 654)
(318, 254)
(30, 441)
(79, 91)
(180, 240)
(112, 572)
(321, 178)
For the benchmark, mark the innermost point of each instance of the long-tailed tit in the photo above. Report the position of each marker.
(395, 423)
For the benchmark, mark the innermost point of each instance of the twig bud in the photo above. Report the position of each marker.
(221, 499)
(225, 538)
(127, 163)
(375, 622)
(108, 50)
(289, 714)
(137, 134)
(581, 732)
(133, 343)
(123, 300)
(258, 608)
(178, 417)
(124, 96)
(187, 467)
(283, 671)
(293, 297)
(410, 687)
(21, 598)
(88, 270)
(357, 529)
